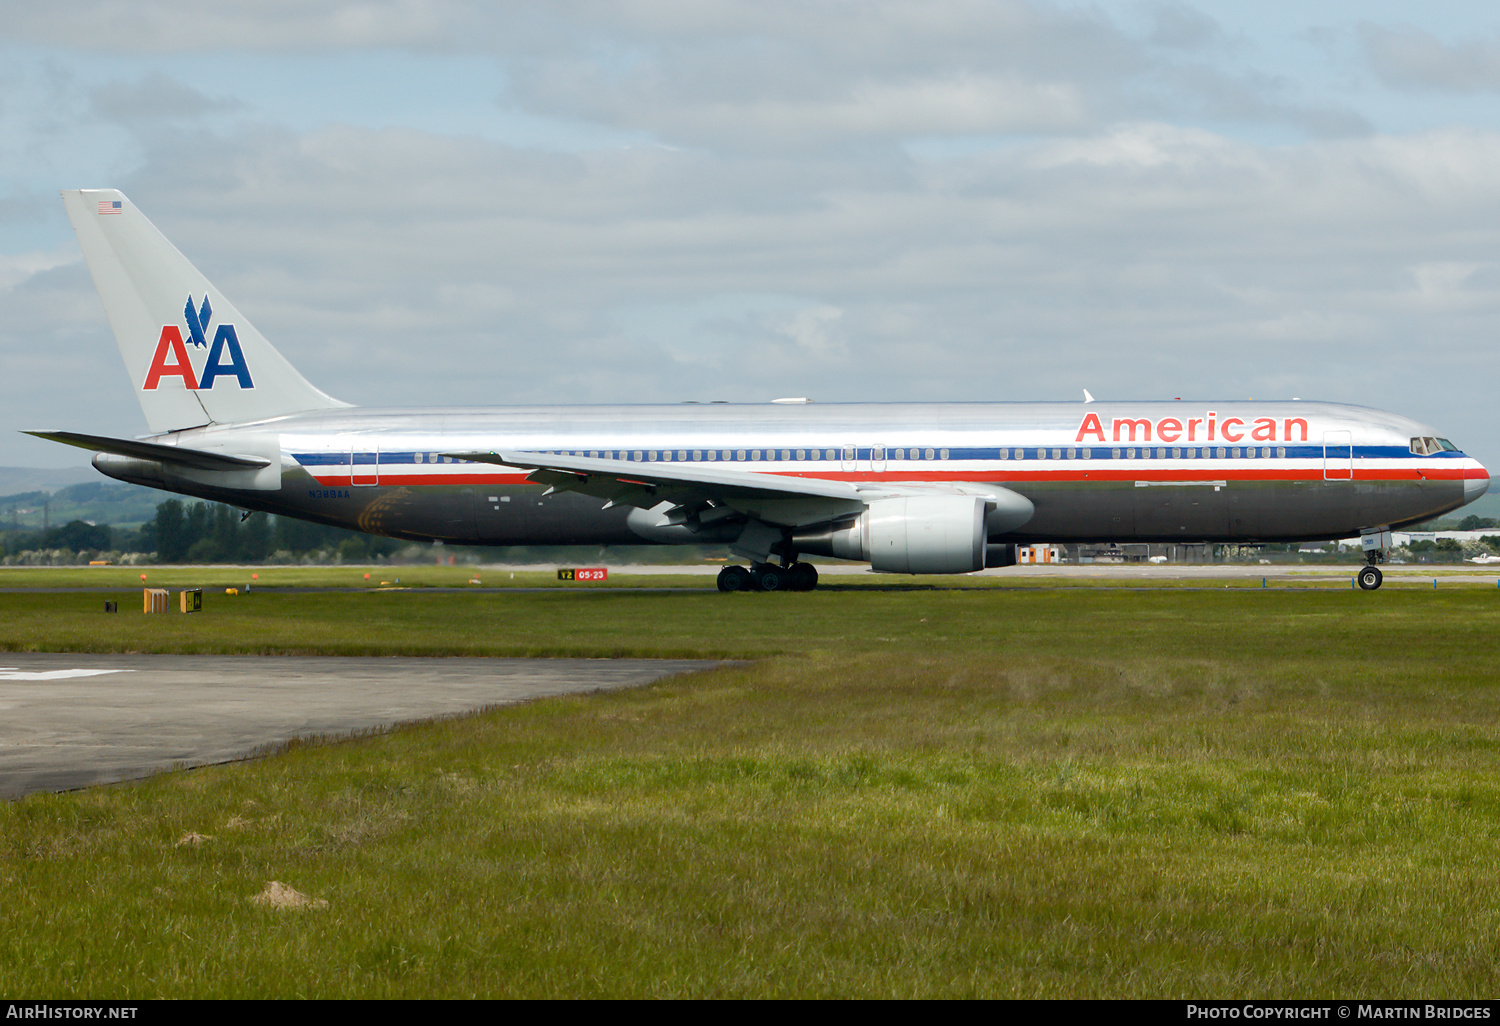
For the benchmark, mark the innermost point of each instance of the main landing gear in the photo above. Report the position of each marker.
(769, 577)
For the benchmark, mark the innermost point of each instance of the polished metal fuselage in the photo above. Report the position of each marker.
(1095, 472)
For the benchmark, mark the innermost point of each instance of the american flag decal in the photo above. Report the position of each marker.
(109, 206)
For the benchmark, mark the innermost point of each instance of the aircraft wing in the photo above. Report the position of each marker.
(196, 459)
(696, 490)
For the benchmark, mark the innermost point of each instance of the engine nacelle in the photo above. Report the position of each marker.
(917, 534)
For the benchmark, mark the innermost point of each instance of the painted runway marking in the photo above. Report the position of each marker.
(15, 673)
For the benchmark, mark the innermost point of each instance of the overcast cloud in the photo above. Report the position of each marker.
(449, 203)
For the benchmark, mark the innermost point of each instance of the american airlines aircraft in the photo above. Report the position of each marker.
(908, 488)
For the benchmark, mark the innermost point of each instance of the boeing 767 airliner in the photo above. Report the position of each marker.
(908, 488)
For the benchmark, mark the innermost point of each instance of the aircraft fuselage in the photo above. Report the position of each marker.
(1096, 472)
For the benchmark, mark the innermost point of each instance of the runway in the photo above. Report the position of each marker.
(69, 721)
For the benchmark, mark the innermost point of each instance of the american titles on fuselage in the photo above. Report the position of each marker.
(1207, 428)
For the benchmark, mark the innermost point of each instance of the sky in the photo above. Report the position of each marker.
(434, 202)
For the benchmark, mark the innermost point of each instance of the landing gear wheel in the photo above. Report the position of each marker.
(802, 577)
(772, 578)
(1370, 578)
(734, 578)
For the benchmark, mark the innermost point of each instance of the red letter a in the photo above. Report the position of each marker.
(170, 344)
(1091, 426)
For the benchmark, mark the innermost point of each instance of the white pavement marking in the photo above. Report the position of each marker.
(14, 673)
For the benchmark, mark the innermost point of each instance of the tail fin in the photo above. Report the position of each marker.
(192, 361)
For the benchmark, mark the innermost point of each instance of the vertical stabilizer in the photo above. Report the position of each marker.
(192, 357)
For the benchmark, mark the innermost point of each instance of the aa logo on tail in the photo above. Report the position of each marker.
(225, 359)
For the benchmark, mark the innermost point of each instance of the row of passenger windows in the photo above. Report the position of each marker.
(849, 454)
(1207, 453)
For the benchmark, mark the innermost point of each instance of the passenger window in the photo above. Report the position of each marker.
(944, 454)
(740, 455)
(1114, 454)
(1056, 454)
(1071, 453)
(1088, 454)
(1281, 452)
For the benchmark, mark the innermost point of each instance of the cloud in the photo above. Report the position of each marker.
(777, 74)
(178, 26)
(402, 266)
(154, 97)
(1409, 58)
(770, 231)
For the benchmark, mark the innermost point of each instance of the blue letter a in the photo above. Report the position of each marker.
(225, 337)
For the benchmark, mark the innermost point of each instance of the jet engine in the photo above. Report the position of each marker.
(916, 534)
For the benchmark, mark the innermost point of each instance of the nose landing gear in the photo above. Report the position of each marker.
(1375, 543)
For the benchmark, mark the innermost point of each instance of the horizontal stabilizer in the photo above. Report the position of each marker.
(196, 459)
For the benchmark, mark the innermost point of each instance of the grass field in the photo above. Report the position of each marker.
(910, 792)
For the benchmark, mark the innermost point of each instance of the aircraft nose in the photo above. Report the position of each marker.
(1476, 481)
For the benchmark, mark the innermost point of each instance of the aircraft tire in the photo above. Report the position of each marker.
(1370, 578)
(773, 579)
(804, 577)
(734, 578)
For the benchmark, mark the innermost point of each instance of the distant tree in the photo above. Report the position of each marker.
(199, 522)
(1475, 523)
(169, 532)
(255, 538)
(77, 536)
(225, 532)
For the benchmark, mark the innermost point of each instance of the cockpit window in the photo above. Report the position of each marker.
(1426, 446)
(1447, 445)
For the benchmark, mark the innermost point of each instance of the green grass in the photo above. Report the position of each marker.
(373, 578)
(991, 792)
